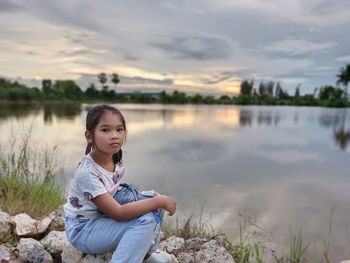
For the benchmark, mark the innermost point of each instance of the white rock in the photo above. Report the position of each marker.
(212, 251)
(187, 257)
(45, 222)
(174, 259)
(71, 255)
(57, 222)
(27, 226)
(5, 254)
(172, 245)
(54, 242)
(30, 250)
(98, 258)
(5, 227)
(194, 244)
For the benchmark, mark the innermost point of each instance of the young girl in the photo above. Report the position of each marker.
(131, 229)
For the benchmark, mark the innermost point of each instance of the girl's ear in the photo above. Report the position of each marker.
(88, 136)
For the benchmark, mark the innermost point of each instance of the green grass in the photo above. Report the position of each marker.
(27, 179)
(191, 227)
(297, 248)
(247, 249)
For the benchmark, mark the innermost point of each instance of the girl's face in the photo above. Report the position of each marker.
(109, 134)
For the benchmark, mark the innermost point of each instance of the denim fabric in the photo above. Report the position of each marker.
(129, 193)
(130, 239)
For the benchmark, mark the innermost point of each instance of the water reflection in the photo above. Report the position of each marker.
(9, 110)
(278, 163)
(342, 139)
(49, 110)
(249, 117)
(159, 117)
(61, 111)
(338, 122)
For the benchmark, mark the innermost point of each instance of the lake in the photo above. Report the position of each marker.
(280, 169)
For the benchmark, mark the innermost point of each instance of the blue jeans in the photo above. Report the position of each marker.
(131, 239)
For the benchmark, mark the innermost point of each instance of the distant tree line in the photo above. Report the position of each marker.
(265, 93)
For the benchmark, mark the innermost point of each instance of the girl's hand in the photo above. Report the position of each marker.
(168, 204)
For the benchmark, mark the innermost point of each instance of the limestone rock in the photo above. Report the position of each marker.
(186, 257)
(174, 259)
(194, 244)
(45, 222)
(57, 222)
(5, 227)
(5, 254)
(213, 252)
(98, 258)
(30, 250)
(27, 226)
(54, 242)
(172, 245)
(71, 255)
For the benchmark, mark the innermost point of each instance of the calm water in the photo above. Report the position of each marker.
(282, 168)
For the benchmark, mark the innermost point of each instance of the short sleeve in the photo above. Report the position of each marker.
(90, 184)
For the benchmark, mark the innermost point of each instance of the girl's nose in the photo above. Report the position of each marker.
(115, 134)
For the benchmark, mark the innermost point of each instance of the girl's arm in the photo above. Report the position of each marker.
(113, 209)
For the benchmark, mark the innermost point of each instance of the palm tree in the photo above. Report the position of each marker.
(102, 78)
(115, 80)
(344, 78)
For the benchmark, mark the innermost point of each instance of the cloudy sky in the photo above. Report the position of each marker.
(191, 45)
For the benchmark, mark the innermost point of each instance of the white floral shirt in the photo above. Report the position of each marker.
(90, 180)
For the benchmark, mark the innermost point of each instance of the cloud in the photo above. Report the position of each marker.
(298, 46)
(76, 37)
(328, 7)
(345, 59)
(80, 52)
(127, 56)
(282, 66)
(193, 151)
(193, 47)
(10, 7)
(199, 45)
(218, 77)
(298, 12)
(140, 80)
(293, 81)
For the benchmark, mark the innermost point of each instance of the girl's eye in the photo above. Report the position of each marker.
(120, 130)
(105, 130)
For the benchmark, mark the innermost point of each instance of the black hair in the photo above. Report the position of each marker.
(92, 119)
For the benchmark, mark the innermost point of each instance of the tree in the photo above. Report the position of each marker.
(269, 87)
(46, 86)
(344, 79)
(197, 98)
(115, 80)
(102, 78)
(246, 87)
(278, 90)
(329, 92)
(67, 89)
(297, 91)
(91, 92)
(179, 97)
(262, 89)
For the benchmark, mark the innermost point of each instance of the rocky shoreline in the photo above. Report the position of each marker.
(24, 239)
